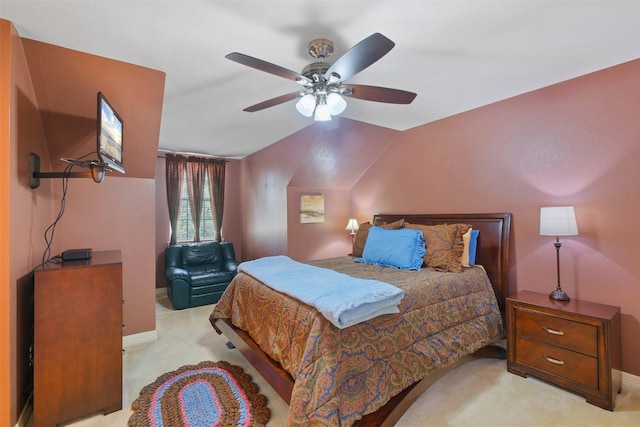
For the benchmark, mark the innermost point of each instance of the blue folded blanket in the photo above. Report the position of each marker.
(344, 300)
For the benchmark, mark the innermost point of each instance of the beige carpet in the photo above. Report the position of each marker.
(480, 393)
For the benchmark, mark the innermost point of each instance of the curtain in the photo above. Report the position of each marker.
(216, 171)
(174, 172)
(196, 168)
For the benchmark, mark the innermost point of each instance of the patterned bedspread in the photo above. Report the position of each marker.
(343, 374)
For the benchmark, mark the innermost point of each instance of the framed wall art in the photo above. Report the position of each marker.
(311, 208)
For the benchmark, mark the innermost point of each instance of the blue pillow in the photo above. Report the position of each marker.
(403, 248)
(473, 244)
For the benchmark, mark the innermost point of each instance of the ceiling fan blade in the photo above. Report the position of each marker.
(360, 56)
(380, 94)
(272, 102)
(268, 67)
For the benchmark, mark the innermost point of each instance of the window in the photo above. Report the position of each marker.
(201, 172)
(185, 221)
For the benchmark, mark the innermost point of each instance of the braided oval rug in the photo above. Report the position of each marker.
(206, 394)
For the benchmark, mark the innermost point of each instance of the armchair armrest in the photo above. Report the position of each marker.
(230, 265)
(175, 273)
(229, 262)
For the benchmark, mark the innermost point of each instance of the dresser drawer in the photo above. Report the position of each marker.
(558, 361)
(568, 334)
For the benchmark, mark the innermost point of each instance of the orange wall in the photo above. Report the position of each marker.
(50, 114)
(119, 213)
(7, 400)
(29, 213)
(574, 143)
(66, 83)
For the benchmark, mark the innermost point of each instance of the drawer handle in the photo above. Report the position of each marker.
(552, 331)
(554, 361)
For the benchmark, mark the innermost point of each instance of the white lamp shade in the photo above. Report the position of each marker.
(352, 225)
(558, 221)
(306, 105)
(322, 113)
(336, 103)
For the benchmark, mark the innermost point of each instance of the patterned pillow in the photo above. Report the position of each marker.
(363, 232)
(444, 245)
(459, 231)
(361, 239)
(395, 225)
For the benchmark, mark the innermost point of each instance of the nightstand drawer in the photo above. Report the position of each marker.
(564, 333)
(574, 344)
(558, 361)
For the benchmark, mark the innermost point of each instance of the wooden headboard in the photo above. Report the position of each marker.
(493, 242)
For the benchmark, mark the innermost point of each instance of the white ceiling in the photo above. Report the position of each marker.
(456, 55)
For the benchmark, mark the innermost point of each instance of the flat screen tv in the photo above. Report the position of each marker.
(110, 127)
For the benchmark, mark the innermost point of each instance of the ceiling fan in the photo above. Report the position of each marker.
(323, 83)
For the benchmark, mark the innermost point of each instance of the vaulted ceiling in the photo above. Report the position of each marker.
(456, 55)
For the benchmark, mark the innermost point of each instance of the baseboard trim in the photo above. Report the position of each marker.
(23, 419)
(630, 381)
(141, 338)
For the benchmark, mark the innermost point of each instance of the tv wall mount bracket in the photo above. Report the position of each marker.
(96, 170)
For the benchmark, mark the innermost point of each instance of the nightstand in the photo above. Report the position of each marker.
(573, 344)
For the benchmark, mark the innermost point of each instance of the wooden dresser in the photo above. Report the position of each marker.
(77, 356)
(574, 344)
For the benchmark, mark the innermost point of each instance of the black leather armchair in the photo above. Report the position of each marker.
(198, 273)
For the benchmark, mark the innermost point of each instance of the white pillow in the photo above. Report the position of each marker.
(466, 238)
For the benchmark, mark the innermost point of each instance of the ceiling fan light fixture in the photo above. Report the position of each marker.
(321, 79)
(336, 103)
(306, 105)
(323, 114)
(334, 79)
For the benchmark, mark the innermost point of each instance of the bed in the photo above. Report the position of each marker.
(370, 373)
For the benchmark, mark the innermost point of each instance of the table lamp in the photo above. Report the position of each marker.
(558, 221)
(352, 226)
